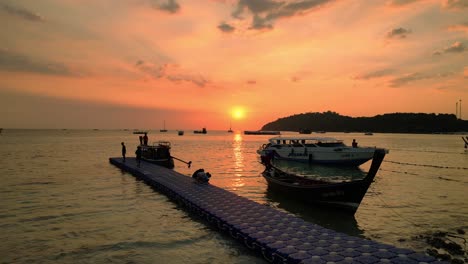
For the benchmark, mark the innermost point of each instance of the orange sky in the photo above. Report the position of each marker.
(136, 63)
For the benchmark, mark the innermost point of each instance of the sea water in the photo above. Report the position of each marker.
(61, 200)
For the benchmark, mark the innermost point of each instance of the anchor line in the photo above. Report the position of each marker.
(425, 151)
(396, 213)
(426, 165)
(405, 172)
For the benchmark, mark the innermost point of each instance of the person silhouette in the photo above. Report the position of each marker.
(138, 156)
(124, 151)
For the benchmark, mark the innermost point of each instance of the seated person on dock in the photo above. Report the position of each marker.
(354, 143)
(201, 176)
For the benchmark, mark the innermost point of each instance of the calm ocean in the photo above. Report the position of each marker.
(61, 200)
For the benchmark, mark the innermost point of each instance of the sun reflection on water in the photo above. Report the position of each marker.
(238, 162)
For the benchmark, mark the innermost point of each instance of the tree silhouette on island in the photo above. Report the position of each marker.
(386, 123)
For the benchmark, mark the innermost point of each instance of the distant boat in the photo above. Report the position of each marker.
(203, 131)
(180, 132)
(140, 132)
(261, 132)
(368, 134)
(164, 127)
(230, 129)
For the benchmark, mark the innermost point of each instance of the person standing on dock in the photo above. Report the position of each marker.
(145, 139)
(354, 144)
(138, 156)
(124, 151)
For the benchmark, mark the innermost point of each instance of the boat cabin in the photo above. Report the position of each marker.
(326, 142)
(159, 150)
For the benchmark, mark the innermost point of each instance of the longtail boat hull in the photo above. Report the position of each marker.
(346, 195)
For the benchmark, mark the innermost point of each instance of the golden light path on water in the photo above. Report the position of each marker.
(238, 162)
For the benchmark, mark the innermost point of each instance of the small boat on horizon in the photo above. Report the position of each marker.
(203, 131)
(180, 132)
(140, 132)
(319, 150)
(346, 194)
(230, 128)
(164, 127)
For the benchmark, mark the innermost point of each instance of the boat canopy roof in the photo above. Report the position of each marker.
(158, 144)
(308, 139)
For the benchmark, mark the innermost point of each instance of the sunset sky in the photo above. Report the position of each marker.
(209, 63)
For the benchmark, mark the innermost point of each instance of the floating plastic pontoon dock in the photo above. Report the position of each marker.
(278, 236)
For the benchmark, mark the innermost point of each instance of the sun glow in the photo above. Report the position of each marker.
(237, 113)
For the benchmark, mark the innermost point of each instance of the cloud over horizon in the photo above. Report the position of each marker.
(21, 12)
(398, 33)
(16, 62)
(375, 74)
(171, 72)
(266, 12)
(225, 27)
(456, 47)
(170, 6)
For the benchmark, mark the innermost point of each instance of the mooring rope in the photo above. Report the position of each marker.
(403, 172)
(426, 165)
(425, 151)
(396, 213)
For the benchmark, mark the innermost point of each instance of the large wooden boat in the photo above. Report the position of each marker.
(319, 150)
(159, 153)
(346, 194)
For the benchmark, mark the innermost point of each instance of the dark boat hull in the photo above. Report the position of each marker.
(345, 195)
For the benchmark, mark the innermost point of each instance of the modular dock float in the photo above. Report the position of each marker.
(278, 236)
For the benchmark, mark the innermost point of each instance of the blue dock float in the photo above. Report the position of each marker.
(278, 236)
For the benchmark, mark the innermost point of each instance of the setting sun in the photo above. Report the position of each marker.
(238, 113)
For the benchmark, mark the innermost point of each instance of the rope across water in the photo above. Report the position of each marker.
(426, 165)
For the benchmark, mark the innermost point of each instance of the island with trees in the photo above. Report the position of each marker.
(386, 123)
